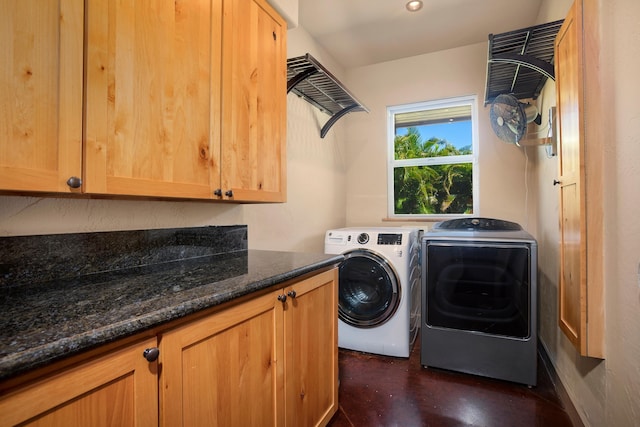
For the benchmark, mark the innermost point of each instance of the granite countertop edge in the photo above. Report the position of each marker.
(43, 354)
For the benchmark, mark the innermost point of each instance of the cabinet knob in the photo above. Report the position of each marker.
(74, 182)
(228, 193)
(292, 293)
(218, 192)
(282, 297)
(556, 182)
(151, 354)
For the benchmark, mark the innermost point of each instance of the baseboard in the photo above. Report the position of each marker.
(557, 385)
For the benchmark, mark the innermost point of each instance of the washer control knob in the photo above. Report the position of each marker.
(363, 238)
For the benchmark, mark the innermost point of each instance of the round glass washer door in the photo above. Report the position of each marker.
(368, 293)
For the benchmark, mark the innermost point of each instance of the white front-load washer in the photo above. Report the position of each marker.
(379, 289)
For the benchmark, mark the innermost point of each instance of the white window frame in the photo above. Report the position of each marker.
(472, 101)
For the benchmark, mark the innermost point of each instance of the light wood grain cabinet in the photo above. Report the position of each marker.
(270, 361)
(117, 389)
(166, 99)
(580, 169)
(254, 76)
(222, 370)
(311, 350)
(41, 87)
(153, 81)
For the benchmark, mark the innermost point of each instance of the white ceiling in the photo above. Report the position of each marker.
(363, 32)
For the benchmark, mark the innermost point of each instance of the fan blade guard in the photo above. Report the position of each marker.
(508, 118)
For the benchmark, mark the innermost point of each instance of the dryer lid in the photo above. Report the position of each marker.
(476, 224)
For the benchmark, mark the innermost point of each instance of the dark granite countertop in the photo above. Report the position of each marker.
(45, 322)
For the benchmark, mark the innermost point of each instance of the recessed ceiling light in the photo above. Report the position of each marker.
(414, 5)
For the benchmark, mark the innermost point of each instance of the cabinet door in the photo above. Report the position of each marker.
(41, 102)
(570, 157)
(254, 102)
(224, 369)
(118, 389)
(311, 340)
(152, 95)
(580, 154)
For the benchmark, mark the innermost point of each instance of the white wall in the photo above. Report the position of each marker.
(288, 9)
(316, 193)
(316, 186)
(606, 393)
(444, 74)
(621, 61)
(316, 175)
(348, 167)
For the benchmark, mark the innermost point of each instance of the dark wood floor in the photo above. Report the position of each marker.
(388, 391)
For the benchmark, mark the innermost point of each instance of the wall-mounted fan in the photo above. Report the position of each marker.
(509, 117)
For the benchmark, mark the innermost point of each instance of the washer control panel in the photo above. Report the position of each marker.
(344, 238)
(389, 239)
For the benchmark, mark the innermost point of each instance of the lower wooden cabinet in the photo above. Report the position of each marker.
(311, 350)
(271, 360)
(222, 370)
(117, 389)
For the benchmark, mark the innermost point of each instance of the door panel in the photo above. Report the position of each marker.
(153, 76)
(254, 102)
(224, 369)
(41, 86)
(572, 285)
(311, 339)
(118, 389)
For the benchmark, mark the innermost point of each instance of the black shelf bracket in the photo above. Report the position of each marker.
(308, 79)
(300, 77)
(520, 62)
(544, 68)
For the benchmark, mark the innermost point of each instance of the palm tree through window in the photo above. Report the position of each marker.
(432, 154)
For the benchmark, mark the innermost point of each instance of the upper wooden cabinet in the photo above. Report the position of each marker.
(580, 168)
(254, 75)
(182, 99)
(152, 84)
(41, 87)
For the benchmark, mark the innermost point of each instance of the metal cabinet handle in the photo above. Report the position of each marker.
(282, 297)
(292, 293)
(151, 354)
(228, 193)
(218, 192)
(74, 182)
(556, 182)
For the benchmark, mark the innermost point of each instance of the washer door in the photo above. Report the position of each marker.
(368, 291)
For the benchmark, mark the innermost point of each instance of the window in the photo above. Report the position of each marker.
(432, 158)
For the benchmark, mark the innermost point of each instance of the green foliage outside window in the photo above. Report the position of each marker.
(431, 189)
